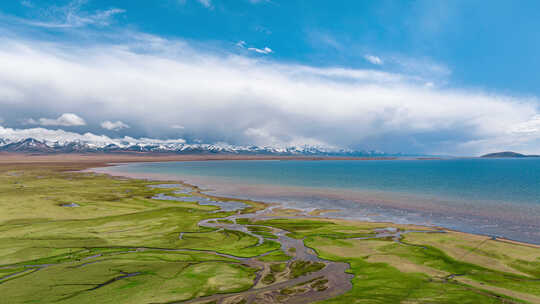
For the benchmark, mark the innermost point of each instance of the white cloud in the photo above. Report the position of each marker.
(177, 127)
(319, 38)
(373, 59)
(65, 120)
(266, 137)
(531, 126)
(114, 126)
(206, 3)
(72, 16)
(264, 51)
(27, 3)
(421, 66)
(262, 29)
(243, 100)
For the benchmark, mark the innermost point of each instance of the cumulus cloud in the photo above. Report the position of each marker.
(222, 97)
(65, 120)
(374, 59)
(114, 126)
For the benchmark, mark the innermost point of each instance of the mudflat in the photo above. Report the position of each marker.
(104, 158)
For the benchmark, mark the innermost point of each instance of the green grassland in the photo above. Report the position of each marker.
(116, 237)
(418, 269)
(119, 245)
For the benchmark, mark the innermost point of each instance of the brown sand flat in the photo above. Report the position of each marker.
(6, 157)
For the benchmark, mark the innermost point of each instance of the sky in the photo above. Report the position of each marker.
(418, 77)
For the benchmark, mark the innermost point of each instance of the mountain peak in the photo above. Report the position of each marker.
(32, 145)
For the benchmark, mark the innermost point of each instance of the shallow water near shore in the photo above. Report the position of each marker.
(487, 196)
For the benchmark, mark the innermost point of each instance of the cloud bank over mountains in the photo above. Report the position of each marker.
(146, 85)
(59, 136)
(40, 140)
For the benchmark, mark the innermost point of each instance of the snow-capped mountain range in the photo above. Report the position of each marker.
(31, 145)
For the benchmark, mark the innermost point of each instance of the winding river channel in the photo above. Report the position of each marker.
(338, 281)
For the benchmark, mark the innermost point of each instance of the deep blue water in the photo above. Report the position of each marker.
(471, 190)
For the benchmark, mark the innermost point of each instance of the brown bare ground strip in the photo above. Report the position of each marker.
(104, 158)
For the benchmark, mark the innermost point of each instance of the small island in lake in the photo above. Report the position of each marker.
(507, 154)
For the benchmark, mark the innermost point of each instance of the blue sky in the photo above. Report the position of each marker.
(451, 77)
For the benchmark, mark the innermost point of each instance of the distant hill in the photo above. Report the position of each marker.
(507, 154)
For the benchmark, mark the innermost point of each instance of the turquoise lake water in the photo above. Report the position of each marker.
(489, 196)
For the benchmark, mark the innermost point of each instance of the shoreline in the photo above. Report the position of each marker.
(304, 213)
(105, 158)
